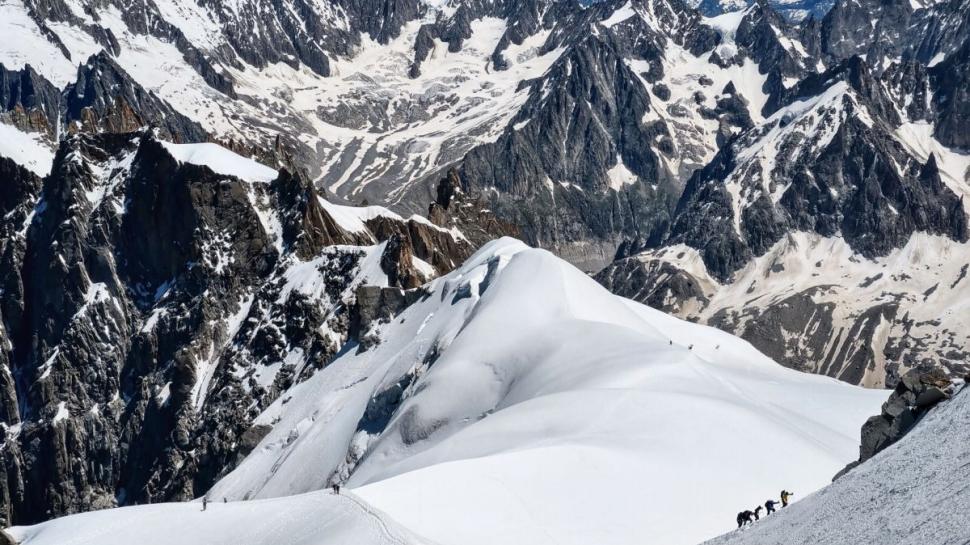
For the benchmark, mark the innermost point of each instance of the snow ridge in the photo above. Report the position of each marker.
(494, 373)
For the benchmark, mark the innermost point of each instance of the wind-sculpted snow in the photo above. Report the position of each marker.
(916, 491)
(519, 402)
(158, 296)
(167, 307)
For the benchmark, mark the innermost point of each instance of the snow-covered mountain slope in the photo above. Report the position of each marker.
(829, 161)
(793, 10)
(318, 518)
(923, 31)
(26, 149)
(349, 100)
(518, 401)
(832, 235)
(157, 299)
(574, 107)
(915, 491)
(158, 296)
(815, 304)
(580, 123)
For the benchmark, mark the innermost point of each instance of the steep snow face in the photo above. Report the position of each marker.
(913, 492)
(24, 43)
(253, 286)
(520, 402)
(319, 518)
(954, 166)
(26, 149)
(221, 161)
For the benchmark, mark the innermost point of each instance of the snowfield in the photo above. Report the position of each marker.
(926, 278)
(26, 149)
(221, 161)
(519, 402)
(916, 491)
(310, 519)
(374, 130)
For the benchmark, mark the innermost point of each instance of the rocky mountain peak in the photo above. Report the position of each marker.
(163, 288)
(179, 253)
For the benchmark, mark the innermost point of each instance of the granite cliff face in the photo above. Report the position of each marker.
(830, 237)
(578, 124)
(795, 182)
(833, 234)
(152, 306)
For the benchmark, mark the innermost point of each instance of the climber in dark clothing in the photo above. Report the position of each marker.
(757, 513)
(785, 495)
(744, 517)
(205, 502)
(770, 506)
(336, 489)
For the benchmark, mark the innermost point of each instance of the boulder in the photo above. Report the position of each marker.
(931, 396)
(917, 392)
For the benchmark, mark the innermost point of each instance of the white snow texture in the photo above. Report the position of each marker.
(916, 491)
(537, 408)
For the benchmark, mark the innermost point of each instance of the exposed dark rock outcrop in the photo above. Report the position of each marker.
(657, 283)
(29, 102)
(951, 98)
(153, 307)
(551, 175)
(917, 393)
(454, 208)
(830, 163)
(895, 30)
(842, 178)
(105, 99)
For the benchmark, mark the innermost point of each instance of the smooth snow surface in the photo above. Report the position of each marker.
(353, 218)
(221, 161)
(554, 413)
(916, 491)
(23, 43)
(25, 149)
(318, 518)
(518, 403)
